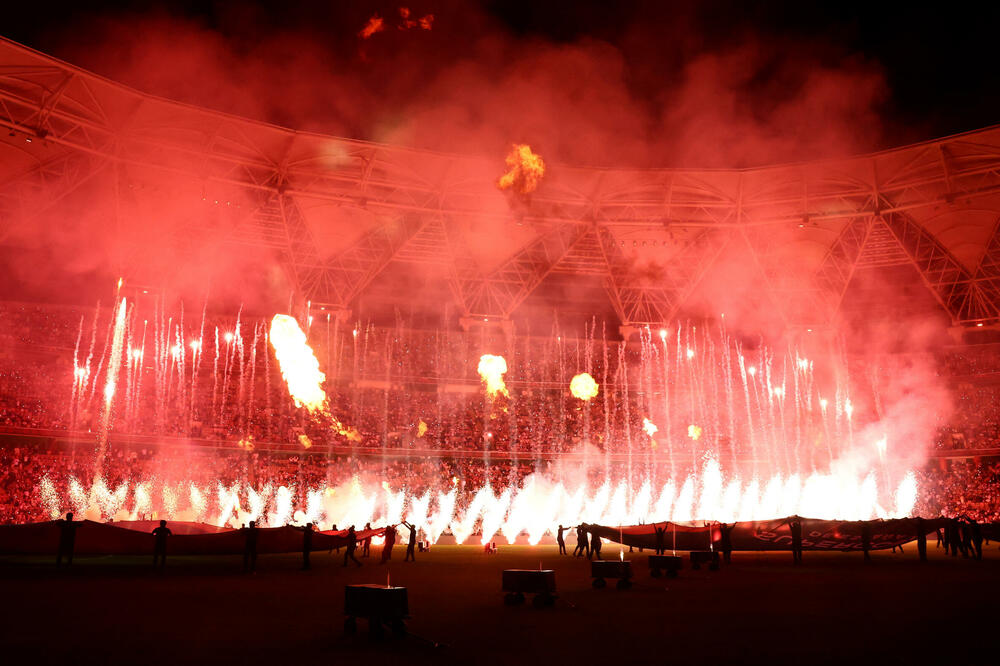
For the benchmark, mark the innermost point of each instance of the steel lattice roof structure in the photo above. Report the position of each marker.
(338, 212)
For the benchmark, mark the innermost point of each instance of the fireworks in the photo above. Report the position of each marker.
(583, 386)
(649, 427)
(524, 170)
(694, 432)
(114, 366)
(492, 369)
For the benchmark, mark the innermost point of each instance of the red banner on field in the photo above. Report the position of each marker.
(772, 534)
(135, 538)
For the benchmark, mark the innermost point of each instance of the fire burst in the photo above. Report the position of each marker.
(375, 24)
(492, 369)
(524, 170)
(583, 386)
(649, 427)
(300, 370)
(298, 364)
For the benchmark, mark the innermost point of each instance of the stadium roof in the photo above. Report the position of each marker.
(340, 213)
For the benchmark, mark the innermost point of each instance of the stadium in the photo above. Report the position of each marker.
(225, 337)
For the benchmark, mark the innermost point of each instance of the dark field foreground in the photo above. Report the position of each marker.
(760, 609)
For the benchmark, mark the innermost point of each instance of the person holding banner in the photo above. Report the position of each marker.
(390, 541)
(795, 524)
(160, 535)
(67, 539)
(726, 541)
(581, 542)
(595, 547)
(661, 535)
(367, 543)
(250, 547)
(307, 540)
(352, 545)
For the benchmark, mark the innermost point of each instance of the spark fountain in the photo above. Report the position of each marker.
(762, 434)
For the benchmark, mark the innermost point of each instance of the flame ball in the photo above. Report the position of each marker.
(524, 170)
(583, 386)
(492, 369)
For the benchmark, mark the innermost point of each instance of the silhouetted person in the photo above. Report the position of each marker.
(160, 535)
(390, 541)
(866, 539)
(411, 545)
(560, 540)
(661, 537)
(67, 539)
(250, 547)
(582, 546)
(951, 537)
(966, 538)
(726, 541)
(581, 542)
(307, 543)
(595, 547)
(367, 543)
(940, 539)
(796, 526)
(977, 539)
(333, 528)
(921, 540)
(352, 545)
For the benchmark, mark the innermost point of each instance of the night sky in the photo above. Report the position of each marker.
(937, 64)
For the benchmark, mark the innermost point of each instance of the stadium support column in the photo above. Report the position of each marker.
(627, 331)
(337, 313)
(488, 326)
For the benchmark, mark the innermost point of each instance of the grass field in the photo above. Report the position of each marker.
(834, 608)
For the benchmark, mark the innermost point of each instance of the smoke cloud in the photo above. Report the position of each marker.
(644, 92)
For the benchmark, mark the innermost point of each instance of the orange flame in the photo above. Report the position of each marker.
(375, 24)
(421, 428)
(694, 432)
(492, 369)
(583, 386)
(298, 363)
(300, 370)
(405, 22)
(524, 170)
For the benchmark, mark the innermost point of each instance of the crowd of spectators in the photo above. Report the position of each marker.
(964, 488)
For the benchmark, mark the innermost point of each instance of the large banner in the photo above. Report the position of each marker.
(135, 538)
(772, 534)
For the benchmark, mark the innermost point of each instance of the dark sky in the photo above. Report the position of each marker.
(939, 62)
